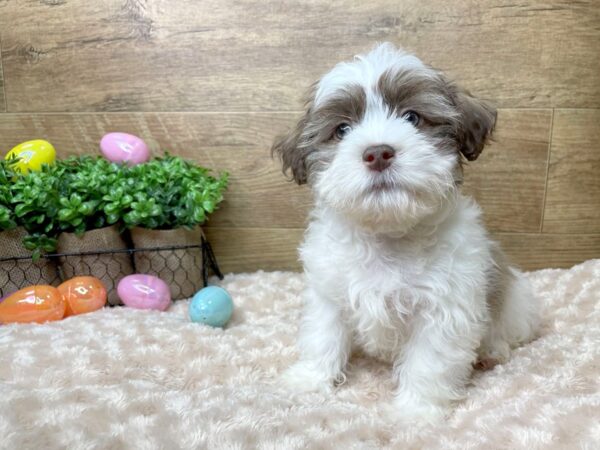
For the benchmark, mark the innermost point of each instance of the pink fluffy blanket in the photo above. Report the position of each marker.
(124, 378)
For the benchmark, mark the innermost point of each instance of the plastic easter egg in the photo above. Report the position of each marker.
(32, 154)
(83, 295)
(211, 306)
(144, 292)
(124, 148)
(40, 303)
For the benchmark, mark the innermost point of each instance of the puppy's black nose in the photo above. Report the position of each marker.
(379, 157)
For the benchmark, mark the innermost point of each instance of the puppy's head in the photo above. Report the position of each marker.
(383, 138)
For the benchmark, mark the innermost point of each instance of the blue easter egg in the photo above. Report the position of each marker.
(211, 306)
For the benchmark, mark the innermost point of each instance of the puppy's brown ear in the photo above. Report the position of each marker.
(292, 153)
(476, 123)
(294, 147)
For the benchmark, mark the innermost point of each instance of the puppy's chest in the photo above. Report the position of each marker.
(383, 295)
(394, 273)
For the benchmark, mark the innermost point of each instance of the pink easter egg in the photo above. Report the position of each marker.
(144, 292)
(124, 148)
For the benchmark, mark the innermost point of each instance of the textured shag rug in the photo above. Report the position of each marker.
(123, 378)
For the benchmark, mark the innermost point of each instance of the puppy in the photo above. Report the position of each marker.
(397, 260)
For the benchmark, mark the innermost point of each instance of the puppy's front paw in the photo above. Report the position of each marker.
(414, 411)
(304, 377)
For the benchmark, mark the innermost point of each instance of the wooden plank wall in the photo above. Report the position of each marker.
(216, 80)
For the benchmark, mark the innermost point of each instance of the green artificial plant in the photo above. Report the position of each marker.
(170, 192)
(84, 193)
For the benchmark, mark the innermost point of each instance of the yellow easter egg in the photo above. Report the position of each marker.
(32, 154)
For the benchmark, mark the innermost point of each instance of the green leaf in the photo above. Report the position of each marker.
(86, 208)
(208, 205)
(66, 215)
(22, 209)
(111, 208)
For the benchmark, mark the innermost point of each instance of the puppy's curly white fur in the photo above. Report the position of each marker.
(397, 260)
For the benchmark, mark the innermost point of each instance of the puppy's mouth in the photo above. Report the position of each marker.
(381, 186)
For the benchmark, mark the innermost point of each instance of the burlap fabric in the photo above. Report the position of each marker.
(109, 268)
(17, 274)
(180, 269)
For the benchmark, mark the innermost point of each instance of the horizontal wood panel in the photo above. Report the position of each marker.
(508, 179)
(540, 251)
(257, 55)
(250, 249)
(573, 196)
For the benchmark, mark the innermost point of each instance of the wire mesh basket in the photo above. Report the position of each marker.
(164, 262)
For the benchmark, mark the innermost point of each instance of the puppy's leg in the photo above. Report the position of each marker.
(515, 312)
(436, 363)
(324, 345)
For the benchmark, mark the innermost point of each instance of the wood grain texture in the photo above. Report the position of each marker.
(2, 95)
(508, 180)
(250, 249)
(259, 55)
(540, 251)
(573, 196)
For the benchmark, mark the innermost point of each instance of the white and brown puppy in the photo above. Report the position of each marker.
(397, 260)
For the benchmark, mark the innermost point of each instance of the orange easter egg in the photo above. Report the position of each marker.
(40, 303)
(83, 295)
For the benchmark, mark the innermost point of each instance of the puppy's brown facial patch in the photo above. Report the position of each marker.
(424, 92)
(292, 157)
(315, 130)
(450, 115)
(428, 94)
(345, 106)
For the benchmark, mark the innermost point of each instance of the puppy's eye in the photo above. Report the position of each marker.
(412, 118)
(342, 130)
